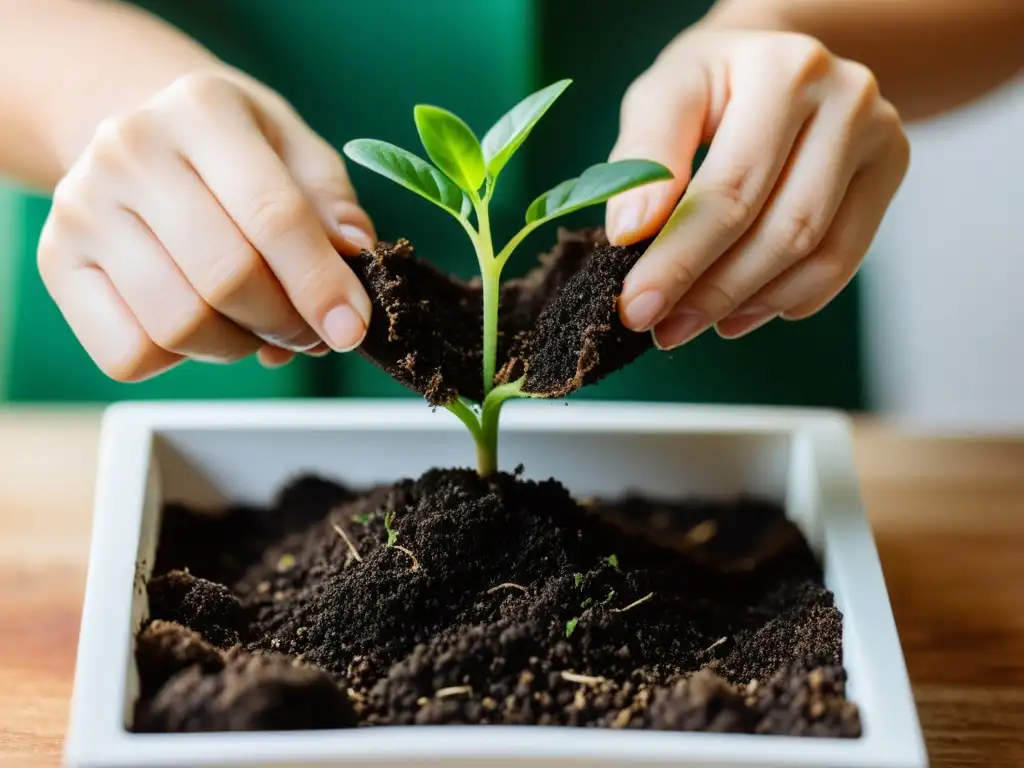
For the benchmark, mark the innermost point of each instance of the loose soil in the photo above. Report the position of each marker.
(502, 601)
(497, 601)
(558, 326)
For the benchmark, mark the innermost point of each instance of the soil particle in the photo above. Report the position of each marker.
(663, 636)
(558, 325)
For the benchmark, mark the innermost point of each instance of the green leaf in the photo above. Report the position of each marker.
(587, 603)
(508, 134)
(389, 526)
(452, 145)
(578, 578)
(412, 172)
(595, 185)
(613, 561)
(570, 626)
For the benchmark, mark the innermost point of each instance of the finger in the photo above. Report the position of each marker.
(808, 286)
(662, 119)
(256, 189)
(793, 222)
(725, 196)
(216, 259)
(320, 172)
(106, 327)
(274, 357)
(167, 307)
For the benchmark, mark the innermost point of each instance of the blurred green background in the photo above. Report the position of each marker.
(356, 69)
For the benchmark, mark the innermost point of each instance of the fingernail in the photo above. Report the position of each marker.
(357, 237)
(628, 220)
(302, 341)
(745, 320)
(678, 328)
(640, 312)
(320, 350)
(344, 328)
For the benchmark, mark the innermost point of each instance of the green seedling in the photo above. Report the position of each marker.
(570, 626)
(389, 522)
(461, 180)
(578, 579)
(613, 561)
(587, 603)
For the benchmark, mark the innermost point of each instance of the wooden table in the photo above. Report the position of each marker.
(948, 516)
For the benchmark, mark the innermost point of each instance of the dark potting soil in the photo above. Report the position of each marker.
(558, 325)
(500, 601)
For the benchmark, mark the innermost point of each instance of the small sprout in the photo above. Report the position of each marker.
(642, 600)
(300, 631)
(587, 603)
(570, 626)
(389, 523)
(348, 542)
(578, 578)
(714, 645)
(508, 585)
(286, 563)
(611, 594)
(613, 561)
(361, 519)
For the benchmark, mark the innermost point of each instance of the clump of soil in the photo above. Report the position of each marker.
(558, 326)
(501, 601)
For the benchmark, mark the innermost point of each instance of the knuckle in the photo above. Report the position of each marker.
(636, 94)
(275, 213)
(716, 299)
(229, 275)
(201, 89)
(864, 89)
(809, 57)
(796, 236)
(733, 199)
(182, 327)
(680, 275)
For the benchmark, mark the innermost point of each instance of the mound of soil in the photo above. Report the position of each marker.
(498, 601)
(558, 326)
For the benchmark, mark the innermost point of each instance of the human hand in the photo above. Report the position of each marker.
(806, 157)
(206, 224)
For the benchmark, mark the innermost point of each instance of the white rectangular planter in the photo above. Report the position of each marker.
(210, 452)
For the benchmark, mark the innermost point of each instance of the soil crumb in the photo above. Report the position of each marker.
(525, 606)
(558, 325)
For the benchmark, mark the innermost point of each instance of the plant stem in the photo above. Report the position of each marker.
(490, 276)
(490, 413)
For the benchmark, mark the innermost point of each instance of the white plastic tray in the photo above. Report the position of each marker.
(207, 453)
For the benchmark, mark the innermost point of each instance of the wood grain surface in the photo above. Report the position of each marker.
(948, 516)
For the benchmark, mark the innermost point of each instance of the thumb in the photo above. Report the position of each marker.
(320, 172)
(662, 119)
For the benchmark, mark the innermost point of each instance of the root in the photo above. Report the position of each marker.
(643, 599)
(714, 645)
(455, 690)
(572, 677)
(415, 562)
(508, 585)
(351, 547)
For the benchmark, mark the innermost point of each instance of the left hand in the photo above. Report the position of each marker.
(806, 157)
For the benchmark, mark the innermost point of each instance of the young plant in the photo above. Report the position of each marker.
(461, 180)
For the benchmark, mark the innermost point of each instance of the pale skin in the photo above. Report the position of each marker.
(197, 216)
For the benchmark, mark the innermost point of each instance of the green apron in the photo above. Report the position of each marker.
(355, 69)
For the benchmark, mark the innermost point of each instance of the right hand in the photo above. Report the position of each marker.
(206, 224)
